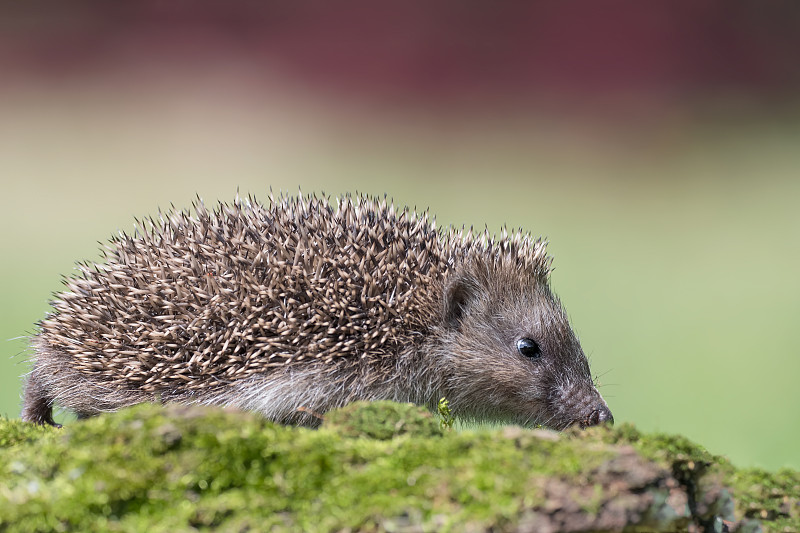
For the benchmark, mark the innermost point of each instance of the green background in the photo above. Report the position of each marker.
(675, 238)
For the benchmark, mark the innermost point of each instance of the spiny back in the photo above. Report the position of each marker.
(206, 298)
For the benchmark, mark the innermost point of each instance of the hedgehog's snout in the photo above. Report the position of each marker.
(600, 415)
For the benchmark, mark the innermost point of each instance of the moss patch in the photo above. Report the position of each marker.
(382, 421)
(14, 432)
(374, 467)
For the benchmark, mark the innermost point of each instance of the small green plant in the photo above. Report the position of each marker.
(446, 416)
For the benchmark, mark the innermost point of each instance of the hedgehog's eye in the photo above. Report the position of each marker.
(529, 348)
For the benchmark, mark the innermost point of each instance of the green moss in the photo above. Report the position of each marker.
(382, 420)
(13, 432)
(660, 447)
(772, 497)
(371, 467)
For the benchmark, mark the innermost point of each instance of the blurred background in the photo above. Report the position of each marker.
(655, 144)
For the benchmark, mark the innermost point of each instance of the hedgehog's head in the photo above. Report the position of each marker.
(510, 352)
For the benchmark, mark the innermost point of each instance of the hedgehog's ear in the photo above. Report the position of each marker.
(459, 292)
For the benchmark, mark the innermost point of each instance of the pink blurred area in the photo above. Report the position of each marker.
(424, 52)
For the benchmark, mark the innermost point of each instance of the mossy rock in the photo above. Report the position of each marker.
(755, 494)
(379, 467)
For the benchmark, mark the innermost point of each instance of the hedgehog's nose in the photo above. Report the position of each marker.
(601, 415)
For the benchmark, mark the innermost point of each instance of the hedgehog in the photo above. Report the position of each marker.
(298, 306)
